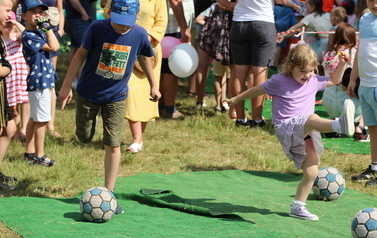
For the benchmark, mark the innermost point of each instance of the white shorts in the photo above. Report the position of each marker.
(40, 105)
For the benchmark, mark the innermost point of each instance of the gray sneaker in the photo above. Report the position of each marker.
(347, 118)
(303, 213)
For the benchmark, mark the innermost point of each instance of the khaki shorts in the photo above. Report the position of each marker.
(220, 69)
(112, 116)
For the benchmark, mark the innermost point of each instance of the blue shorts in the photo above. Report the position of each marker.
(76, 29)
(368, 102)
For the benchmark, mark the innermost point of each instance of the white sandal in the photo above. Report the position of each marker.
(135, 148)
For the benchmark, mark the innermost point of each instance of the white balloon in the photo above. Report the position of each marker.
(183, 60)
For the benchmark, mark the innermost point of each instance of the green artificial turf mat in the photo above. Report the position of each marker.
(200, 204)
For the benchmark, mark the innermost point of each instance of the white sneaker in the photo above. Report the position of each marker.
(303, 213)
(347, 118)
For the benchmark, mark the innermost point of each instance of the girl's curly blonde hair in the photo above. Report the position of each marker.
(300, 55)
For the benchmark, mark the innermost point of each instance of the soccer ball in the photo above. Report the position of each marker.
(329, 184)
(364, 224)
(98, 204)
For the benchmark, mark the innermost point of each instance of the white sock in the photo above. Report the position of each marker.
(336, 126)
(373, 166)
(296, 203)
(259, 121)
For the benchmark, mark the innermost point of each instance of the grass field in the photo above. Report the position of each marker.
(203, 141)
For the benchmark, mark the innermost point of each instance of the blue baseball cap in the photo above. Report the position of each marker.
(124, 12)
(30, 4)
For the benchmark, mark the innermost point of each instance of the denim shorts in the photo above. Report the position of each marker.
(76, 29)
(253, 43)
(112, 117)
(368, 102)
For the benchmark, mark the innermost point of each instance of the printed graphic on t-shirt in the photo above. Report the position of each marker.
(113, 61)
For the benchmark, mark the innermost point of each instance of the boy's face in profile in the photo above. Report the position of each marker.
(31, 15)
(120, 29)
(5, 8)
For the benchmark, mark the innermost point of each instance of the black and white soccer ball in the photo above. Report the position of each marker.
(98, 204)
(364, 223)
(329, 184)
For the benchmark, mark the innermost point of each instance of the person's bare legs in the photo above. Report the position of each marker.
(240, 73)
(17, 119)
(112, 161)
(25, 115)
(6, 135)
(201, 74)
(259, 77)
(51, 124)
(310, 170)
(137, 130)
(169, 89)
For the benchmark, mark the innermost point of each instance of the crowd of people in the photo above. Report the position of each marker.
(123, 76)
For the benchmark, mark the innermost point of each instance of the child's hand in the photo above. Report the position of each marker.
(344, 55)
(230, 102)
(65, 95)
(44, 24)
(155, 95)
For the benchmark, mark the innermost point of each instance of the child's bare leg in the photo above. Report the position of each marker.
(30, 145)
(25, 115)
(310, 169)
(314, 122)
(39, 138)
(5, 137)
(112, 161)
(16, 118)
(218, 91)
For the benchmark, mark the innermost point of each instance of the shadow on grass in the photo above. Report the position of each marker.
(200, 206)
(275, 175)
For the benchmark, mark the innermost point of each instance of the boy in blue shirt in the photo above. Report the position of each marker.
(109, 48)
(38, 41)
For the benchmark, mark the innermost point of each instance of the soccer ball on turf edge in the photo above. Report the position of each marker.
(364, 224)
(329, 184)
(98, 204)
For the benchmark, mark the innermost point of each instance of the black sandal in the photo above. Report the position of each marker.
(42, 161)
(30, 157)
(6, 179)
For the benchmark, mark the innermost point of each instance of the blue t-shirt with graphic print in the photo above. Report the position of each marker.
(42, 73)
(110, 61)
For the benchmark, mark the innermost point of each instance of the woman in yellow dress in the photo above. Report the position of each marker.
(140, 110)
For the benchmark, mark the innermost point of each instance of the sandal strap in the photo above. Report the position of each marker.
(135, 147)
(42, 161)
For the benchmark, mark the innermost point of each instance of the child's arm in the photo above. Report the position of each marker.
(146, 65)
(18, 25)
(52, 43)
(65, 93)
(177, 7)
(250, 93)
(200, 19)
(354, 75)
(336, 76)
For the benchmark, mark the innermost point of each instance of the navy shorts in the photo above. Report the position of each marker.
(76, 29)
(253, 43)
